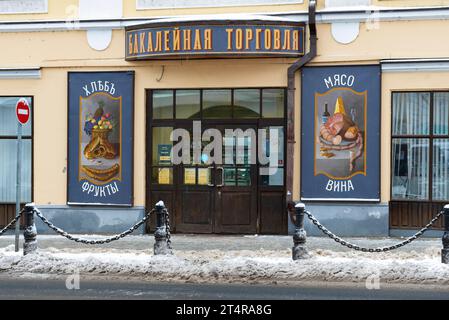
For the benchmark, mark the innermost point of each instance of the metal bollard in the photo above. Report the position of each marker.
(445, 250)
(30, 233)
(160, 235)
(299, 250)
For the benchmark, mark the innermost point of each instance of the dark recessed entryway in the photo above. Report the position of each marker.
(230, 196)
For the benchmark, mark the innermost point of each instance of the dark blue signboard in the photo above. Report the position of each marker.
(340, 133)
(100, 150)
(215, 39)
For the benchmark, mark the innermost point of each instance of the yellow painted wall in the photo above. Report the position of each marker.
(62, 51)
(50, 111)
(297, 153)
(409, 3)
(395, 39)
(68, 10)
(400, 39)
(57, 10)
(407, 81)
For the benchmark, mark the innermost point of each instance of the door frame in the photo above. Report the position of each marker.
(171, 191)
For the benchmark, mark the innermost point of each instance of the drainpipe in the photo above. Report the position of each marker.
(291, 97)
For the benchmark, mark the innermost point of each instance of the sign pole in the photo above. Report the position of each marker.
(18, 181)
(23, 115)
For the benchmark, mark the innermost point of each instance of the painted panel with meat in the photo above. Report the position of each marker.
(340, 128)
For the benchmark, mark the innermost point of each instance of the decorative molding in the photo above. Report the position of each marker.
(326, 16)
(23, 6)
(345, 32)
(100, 9)
(32, 73)
(340, 200)
(418, 65)
(175, 4)
(99, 39)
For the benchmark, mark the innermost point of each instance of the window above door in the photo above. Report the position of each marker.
(197, 104)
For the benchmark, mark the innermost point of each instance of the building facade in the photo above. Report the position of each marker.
(359, 118)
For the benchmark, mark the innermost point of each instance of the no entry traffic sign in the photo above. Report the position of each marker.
(22, 111)
(23, 116)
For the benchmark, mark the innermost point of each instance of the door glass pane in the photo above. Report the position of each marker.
(162, 176)
(410, 178)
(229, 176)
(204, 176)
(246, 103)
(187, 104)
(8, 161)
(441, 113)
(411, 113)
(189, 176)
(272, 174)
(274, 139)
(228, 153)
(273, 102)
(162, 146)
(440, 169)
(8, 120)
(244, 150)
(244, 176)
(217, 104)
(275, 179)
(163, 104)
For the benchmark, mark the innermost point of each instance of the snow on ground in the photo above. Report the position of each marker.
(244, 266)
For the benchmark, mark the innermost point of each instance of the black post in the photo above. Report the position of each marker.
(160, 235)
(30, 233)
(299, 250)
(445, 250)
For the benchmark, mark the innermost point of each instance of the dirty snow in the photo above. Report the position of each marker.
(244, 266)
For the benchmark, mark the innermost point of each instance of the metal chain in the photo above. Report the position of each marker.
(167, 228)
(99, 241)
(13, 222)
(383, 249)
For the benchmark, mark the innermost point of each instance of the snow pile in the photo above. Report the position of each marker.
(234, 266)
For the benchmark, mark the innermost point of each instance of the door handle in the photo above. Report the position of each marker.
(210, 178)
(222, 177)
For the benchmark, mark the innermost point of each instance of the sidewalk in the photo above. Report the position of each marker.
(185, 242)
(243, 259)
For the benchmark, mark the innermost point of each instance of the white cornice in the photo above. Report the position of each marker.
(415, 65)
(30, 73)
(360, 14)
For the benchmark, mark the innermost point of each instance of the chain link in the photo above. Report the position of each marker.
(13, 222)
(371, 250)
(167, 228)
(98, 241)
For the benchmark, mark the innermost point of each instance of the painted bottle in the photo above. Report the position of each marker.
(326, 114)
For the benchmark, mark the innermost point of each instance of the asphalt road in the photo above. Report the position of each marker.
(50, 289)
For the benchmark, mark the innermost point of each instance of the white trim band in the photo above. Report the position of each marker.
(34, 73)
(99, 204)
(372, 13)
(398, 66)
(368, 14)
(340, 200)
(177, 4)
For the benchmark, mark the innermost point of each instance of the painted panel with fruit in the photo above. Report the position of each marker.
(101, 154)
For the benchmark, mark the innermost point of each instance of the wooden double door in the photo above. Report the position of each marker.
(229, 196)
(219, 195)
